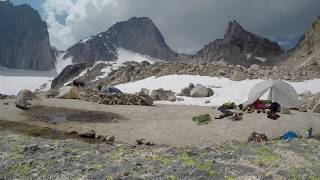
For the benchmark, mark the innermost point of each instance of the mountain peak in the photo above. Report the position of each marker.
(138, 34)
(234, 28)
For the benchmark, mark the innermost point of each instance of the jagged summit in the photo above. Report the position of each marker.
(136, 34)
(234, 29)
(240, 47)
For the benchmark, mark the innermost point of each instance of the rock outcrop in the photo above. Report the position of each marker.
(307, 51)
(136, 34)
(24, 39)
(239, 47)
(163, 95)
(67, 74)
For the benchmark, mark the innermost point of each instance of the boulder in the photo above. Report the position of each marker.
(87, 134)
(186, 91)
(199, 91)
(239, 76)
(145, 91)
(23, 99)
(210, 92)
(162, 95)
(316, 108)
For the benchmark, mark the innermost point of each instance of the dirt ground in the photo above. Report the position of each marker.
(160, 124)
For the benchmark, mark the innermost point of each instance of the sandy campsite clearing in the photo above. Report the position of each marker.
(161, 124)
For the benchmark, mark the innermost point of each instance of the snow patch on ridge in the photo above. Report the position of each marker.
(62, 63)
(262, 59)
(225, 89)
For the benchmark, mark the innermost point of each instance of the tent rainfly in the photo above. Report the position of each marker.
(280, 92)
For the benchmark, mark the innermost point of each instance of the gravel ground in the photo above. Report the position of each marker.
(28, 157)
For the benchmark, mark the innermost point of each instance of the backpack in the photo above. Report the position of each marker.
(275, 107)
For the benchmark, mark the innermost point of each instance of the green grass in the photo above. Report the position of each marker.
(162, 159)
(202, 119)
(21, 170)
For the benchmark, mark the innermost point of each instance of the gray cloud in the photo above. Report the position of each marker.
(186, 24)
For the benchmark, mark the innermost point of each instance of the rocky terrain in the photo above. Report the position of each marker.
(134, 71)
(136, 34)
(24, 39)
(51, 155)
(240, 47)
(307, 50)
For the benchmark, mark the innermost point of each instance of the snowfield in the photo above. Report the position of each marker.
(225, 89)
(11, 81)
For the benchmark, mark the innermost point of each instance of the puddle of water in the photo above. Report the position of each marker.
(37, 131)
(56, 115)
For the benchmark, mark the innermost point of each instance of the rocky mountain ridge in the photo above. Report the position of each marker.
(24, 39)
(136, 34)
(307, 50)
(239, 47)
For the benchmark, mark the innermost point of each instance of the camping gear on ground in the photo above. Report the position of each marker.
(257, 138)
(237, 116)
(250, 109)
(272, 115)
(259, 105)
(279, 91)
(202, 119)
(310, 133)
(275, 107)
(229, 105)
(225, 112)
(110, 90)
(78, 83)
(23, 99)
(289, 135)
(68, 92)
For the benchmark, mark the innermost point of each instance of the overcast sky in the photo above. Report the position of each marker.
(187, 25)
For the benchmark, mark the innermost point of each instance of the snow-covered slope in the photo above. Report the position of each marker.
(225, 89)
(13, 80)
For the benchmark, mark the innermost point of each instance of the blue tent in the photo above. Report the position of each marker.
(110, 90)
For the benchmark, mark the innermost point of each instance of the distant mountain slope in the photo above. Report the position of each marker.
(239, 47)
(24, 39)
(307, 50)
(136, 34)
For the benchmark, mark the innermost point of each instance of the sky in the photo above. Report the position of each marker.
(187, 25)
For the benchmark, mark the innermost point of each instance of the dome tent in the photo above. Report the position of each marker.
(280, 92)
(110, 90)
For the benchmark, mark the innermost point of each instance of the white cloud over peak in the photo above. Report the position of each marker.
(82, 18)
(187, 25)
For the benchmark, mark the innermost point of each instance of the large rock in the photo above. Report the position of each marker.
(163, 95)
(24, 39)
(136, 34)
(67, 74)
(199, 91)
(239, 76)
(186, 91)
(240, 47)
(316, 108)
